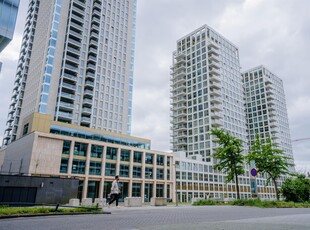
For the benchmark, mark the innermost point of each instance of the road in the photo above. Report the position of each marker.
(171, 217)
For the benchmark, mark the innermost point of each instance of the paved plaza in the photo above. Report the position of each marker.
(171, 217)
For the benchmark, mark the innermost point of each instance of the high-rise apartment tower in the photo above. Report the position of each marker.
(76, 64)
(266, 111)
(206, 92)
(8, 14)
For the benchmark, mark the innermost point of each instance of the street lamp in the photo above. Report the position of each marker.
(176, 186)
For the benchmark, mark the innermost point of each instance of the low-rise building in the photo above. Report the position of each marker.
(50, 148)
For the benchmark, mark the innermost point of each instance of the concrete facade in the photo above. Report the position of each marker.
(46, 190)
(143, 172)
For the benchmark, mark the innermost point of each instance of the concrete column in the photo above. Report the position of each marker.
(101, 186)
(85, 186)
(130, 188)
(71, 154)
(118, 160)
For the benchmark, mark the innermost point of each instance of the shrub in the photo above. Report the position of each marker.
(296, 189)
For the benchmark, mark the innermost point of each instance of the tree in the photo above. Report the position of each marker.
(229, 157)
(269, 160)
(296, 189)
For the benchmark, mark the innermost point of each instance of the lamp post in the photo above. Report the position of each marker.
(176, 186)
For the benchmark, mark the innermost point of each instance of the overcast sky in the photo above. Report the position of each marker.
(275, 33)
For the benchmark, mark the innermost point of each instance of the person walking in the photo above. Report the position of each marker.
(115, 191)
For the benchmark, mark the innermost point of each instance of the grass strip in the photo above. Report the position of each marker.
(254, 203)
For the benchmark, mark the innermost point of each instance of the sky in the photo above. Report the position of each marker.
(274, 33)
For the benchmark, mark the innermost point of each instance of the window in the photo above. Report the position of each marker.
(111, 153)
(124, 170)
(125, 155)
(136, 172)
(160, 160)
(136, 189)
(148, 173)
(80, 149)
(149, 158)
(159, 190)
(64, 165)
(95, 168)
(96, 151)
(78, 166)
(66, 147)
(110, 169)
(160, 174)
(25, 130)
(137, 157)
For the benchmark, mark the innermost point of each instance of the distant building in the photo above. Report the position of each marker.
(8, 14)
(266, 111)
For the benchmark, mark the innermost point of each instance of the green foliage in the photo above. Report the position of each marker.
(296, 189)
(253, 203)
(228, 154)
(207, 202)
(6, 210)
(269, 160)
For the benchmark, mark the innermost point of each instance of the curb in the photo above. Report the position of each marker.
(51, 214)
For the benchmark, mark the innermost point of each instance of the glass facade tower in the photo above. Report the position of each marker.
(8, 14)
(76, 64)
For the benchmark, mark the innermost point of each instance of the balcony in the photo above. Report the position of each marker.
(180, 121)
(213, 50)
(67, 95)
(87, 101)
(179, 80)
(215, 100)
(77, 10)
(76, 26)
(70, 77)
(215, 92)
(69, 86)
(75, 43)
(215, 115)
(214, 71)
(92, 51)
(64, 115)
(216, 122)
(91, 67)
(85, 120)
(74, 51)
(215, 85)
(214, 58)
(71, 68)
(72, 59)
(215, 65)
(181, 128)
(215, 107)
(66, 106)
(213, 45)
(87, 111)
(89, 84)
(88, 93)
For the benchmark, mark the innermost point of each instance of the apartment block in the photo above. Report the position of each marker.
(8, 14)
(76, 65)
(266, 110)
(206, 92)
